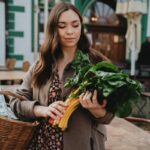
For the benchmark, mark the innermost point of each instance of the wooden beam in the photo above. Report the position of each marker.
(106, 28)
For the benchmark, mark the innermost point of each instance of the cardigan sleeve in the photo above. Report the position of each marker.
(106, 119)
(23, 109)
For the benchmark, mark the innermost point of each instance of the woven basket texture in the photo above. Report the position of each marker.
(15, 135)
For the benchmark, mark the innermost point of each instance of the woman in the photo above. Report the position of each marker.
(43, 88)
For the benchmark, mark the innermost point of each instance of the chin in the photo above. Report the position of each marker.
(70, 45)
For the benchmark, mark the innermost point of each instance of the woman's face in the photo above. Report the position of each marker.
(69, 29)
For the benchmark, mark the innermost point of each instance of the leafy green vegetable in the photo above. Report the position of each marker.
(112, 84)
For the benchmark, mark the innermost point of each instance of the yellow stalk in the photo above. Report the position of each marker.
(73, 102)
(63, 123)
(56, 122)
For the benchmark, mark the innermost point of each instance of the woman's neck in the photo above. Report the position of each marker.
(69, 54)
(68, 57)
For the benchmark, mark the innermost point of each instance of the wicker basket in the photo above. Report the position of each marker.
(15, 135)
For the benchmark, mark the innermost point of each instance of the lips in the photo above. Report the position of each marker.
(69, 39)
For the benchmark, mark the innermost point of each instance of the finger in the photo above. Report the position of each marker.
(89, 96)
(61, 108)
(86, 95)
(83, 103)
(88, 99)
(81, 96)
(50, 114)
(94, 98)
(56, 112)
(61, 103)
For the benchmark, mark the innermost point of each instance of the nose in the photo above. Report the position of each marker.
(69, 30)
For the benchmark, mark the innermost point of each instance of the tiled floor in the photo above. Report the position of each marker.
(123, 135)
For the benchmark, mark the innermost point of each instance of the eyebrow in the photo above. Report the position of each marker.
(74, 21)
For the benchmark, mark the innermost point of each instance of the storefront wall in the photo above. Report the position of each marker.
(148, 24)
(2, 34)
(20, 27)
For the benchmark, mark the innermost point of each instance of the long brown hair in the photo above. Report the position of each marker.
(50, 50)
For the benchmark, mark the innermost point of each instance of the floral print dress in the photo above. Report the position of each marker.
(48, 137)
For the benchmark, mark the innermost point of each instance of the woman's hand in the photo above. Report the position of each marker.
(54, 110)
(89, 101)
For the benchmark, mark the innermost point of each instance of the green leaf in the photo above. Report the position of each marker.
(125, 110)
(106, 66)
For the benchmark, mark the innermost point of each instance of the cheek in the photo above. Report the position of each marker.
(59, 34)
(78, 33)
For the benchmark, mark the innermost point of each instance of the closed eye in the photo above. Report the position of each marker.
(74, 24)
(61, 25)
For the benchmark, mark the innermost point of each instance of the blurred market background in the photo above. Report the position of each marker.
(117, 28)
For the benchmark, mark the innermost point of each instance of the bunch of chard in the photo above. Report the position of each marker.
(111, 83)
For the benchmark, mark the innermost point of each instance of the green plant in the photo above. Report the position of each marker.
(110, 82)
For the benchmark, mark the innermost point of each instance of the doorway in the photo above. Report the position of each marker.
(106, 30)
